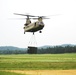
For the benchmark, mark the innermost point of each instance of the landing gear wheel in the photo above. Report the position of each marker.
(40, 31)
(33, 33)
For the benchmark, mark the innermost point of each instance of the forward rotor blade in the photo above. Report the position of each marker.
(25, 18)
(29, 15)
(20, 14)
(24, 15)
(17, 18)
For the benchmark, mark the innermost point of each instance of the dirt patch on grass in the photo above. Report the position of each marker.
(45, 72)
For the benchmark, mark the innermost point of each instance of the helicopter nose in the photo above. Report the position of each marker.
(41, 23)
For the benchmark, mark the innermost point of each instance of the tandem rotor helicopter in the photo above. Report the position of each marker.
(33, 27)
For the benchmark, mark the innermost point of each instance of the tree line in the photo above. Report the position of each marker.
(12, 51)
(48, 50)
(57, 49)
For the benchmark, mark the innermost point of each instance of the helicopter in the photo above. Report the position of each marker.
(33, 27)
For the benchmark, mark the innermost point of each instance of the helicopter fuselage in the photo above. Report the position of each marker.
(34, 27)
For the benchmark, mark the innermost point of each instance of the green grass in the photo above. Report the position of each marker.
(9, 73)
(38, 61)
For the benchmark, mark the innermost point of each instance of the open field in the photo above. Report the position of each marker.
(39, 63)
(10, 73)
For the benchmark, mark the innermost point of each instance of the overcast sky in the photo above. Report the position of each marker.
(59, 29)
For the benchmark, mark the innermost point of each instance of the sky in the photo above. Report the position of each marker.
(59, 29)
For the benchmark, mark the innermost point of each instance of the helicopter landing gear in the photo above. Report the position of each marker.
(24, 32)
(40, 31)
(33, 33)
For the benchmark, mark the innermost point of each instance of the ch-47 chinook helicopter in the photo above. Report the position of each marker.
(33, 27)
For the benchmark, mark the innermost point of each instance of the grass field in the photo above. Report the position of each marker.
(9, 73)
(38, 62)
